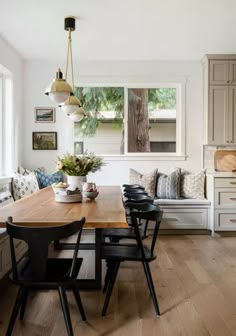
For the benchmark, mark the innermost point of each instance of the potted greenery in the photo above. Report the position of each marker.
(77, 167)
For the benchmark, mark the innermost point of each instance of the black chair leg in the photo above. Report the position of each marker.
(109, 272)
(151, 286)
(110, 287)
(78, 301)
(65, 309)
(24, 302)
(15, 311)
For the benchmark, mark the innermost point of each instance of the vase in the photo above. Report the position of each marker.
(76, 181)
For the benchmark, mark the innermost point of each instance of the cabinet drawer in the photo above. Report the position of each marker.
(225, 182)
(225, 221)
(184, 219)
(225, 198)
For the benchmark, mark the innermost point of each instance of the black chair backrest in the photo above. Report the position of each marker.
(38, 240)
(134, 191)
(132, 186)
(148, 212)
(137, 198)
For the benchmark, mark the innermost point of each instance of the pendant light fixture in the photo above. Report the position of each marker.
(60, 91)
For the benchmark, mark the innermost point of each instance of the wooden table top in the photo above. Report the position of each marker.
(40, 209)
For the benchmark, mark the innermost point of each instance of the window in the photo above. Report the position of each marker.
(132, 120)
(6, 122)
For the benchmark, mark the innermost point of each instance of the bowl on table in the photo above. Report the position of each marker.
(91, 194)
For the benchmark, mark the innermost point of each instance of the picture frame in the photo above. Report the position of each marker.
(45, 114)
(78, 147)
(44, 140)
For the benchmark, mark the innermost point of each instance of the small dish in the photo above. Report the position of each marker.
(91, 194)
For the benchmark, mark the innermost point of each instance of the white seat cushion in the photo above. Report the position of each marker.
(179, 202)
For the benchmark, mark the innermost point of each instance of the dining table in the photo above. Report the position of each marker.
(40, 209)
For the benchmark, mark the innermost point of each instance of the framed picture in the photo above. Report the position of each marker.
(45, 115)
(78, 147)
(44, 140)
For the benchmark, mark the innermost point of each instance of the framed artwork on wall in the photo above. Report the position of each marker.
(45, 114)
(44, 140)
(78, 147)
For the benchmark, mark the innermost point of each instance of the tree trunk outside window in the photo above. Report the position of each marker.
(138, 121)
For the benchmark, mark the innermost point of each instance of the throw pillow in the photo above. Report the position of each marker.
(192, 185)
(46, 180)
(24, 185)
(148, 181)
(168, 186)
(25, 171)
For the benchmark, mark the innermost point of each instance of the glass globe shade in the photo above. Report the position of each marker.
(78, 115)
(58, 97)
(68, 109)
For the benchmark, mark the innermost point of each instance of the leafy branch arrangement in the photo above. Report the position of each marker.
(80, 165)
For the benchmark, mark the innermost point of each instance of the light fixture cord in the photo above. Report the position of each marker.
(69, 55)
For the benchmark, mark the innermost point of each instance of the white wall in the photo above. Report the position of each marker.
(11, 60)
(39, 74)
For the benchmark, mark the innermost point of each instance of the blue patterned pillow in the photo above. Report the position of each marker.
(45, 180)
(168, 186)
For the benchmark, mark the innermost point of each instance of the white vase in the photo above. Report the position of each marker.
(76, 181)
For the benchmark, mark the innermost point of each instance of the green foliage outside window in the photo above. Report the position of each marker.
(101, 99)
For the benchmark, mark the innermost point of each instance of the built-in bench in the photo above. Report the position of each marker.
(20, 246)
(184, 213)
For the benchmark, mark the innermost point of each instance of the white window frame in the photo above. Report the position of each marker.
(180, 86)
(6, 122)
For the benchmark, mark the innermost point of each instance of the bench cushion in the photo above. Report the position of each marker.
(179, 202)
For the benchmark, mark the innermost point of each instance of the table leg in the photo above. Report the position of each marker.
(95, 283)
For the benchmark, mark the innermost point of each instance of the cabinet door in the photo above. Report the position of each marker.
(219, 72)
(231, 116)
(218, 112)
(232, 72)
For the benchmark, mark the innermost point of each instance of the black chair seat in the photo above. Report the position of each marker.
(122, 233)
(129, 253)
(57, 271)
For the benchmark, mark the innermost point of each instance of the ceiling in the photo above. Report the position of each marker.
(120, 30)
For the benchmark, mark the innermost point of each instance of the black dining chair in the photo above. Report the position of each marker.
(134, 191)
(37, 271)
(115, 235)
(134, 186)
(116, 254)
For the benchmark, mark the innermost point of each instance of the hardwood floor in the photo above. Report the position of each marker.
(195, 280)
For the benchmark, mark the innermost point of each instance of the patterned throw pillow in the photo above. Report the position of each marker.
(46, 180)
(24, 185)
(192, 185)
(148, 181)
(168, 186)
(25, 171)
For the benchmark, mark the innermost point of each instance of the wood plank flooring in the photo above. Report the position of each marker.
(195, 280)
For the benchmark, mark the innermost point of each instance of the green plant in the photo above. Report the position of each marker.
(80, 165)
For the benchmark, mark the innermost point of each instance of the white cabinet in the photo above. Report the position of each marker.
(219, 72)
(221, 191)
(222, 72)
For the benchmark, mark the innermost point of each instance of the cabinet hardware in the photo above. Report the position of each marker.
(233, 220)
(171, 219)
(232, 198)
(232, 182)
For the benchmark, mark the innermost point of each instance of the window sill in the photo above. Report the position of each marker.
(144, 157)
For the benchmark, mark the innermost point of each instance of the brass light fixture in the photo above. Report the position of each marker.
(59, 90)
